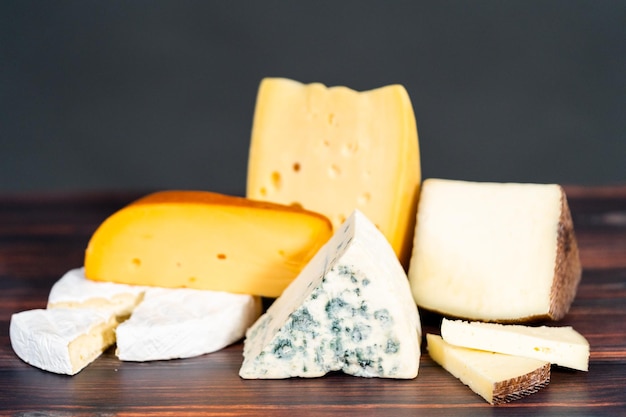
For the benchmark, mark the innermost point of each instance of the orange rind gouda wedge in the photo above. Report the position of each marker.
(204, 240)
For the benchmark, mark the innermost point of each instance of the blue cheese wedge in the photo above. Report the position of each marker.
(182, 323)
(496, 377)
(561, 346)
(62, 340)
(74, 290)
(350, 310)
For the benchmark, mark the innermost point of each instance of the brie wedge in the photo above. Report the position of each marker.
(181, 323)
(62, 340)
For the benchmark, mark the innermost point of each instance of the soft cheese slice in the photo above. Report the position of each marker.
(74, 290)
(496, 377)
(205, 241)
(494, 251)
(182, 323)
(349, 310)
(62, 340)
(333, 150)
(562, 346)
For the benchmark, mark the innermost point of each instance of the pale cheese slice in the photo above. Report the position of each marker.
(182, 323)
(62, 340)
(349, 310)
(494, 251)
(561, 346)
(496, 377)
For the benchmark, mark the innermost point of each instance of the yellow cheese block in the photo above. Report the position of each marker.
(205, 240)
(334, 150)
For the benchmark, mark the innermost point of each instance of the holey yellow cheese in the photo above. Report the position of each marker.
(334, 150)
(207, 241)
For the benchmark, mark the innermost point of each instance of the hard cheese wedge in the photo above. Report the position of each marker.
(496, 377)
(349, 310)
(74, 290)
(182, 323)
(207, 241)
(333, 150)
(494, 252)
(562, 346)
(62, 340)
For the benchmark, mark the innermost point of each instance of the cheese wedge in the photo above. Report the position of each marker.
(561, 346)
(182, 323)
(62, 340)
(74, 290)
(496, 377)
(494, 251)
(349, 310)
(205, 241)
(334, 150)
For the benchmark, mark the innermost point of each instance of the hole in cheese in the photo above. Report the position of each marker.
(221, 256)
(363, 199)
(263, 191)
(296, 204)
(334, 171)
(331, 118)
(136, 262)
(276, 180)
(296, 167)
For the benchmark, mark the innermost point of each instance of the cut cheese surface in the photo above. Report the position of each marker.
(494, 251)
(205, 241)
(349, 310)
(62, 340)
(561, 346)
(182, 323)
(74, 290)
(334, 150)
(496, 377)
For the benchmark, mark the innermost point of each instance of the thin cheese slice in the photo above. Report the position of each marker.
(334, 150)
(62, 340)
(496, 377)
(494, 251)
(561, 346)
(207, 241)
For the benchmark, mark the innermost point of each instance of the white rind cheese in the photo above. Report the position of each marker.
(182, 323)
(498, 252)
(61, 340)
(561, 346)
(349, 310)
(74, 290)
(496, 377)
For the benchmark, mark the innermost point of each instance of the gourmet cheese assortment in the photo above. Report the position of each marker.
(332, 231)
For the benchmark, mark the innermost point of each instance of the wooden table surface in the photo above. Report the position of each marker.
(43, 236)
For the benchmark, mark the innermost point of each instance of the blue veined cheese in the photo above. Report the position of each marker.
(349, 310)
(62, 340)
(74, 290)
(182, 323)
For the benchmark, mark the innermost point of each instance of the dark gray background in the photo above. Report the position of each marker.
(158, 95)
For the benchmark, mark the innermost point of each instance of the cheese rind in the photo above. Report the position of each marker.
(182, 323)
(62, 340)
(349, 310)
(74, 290)
(561, 346)
(496, 377)
(333, 150)
(494, 251)
(205, 241)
